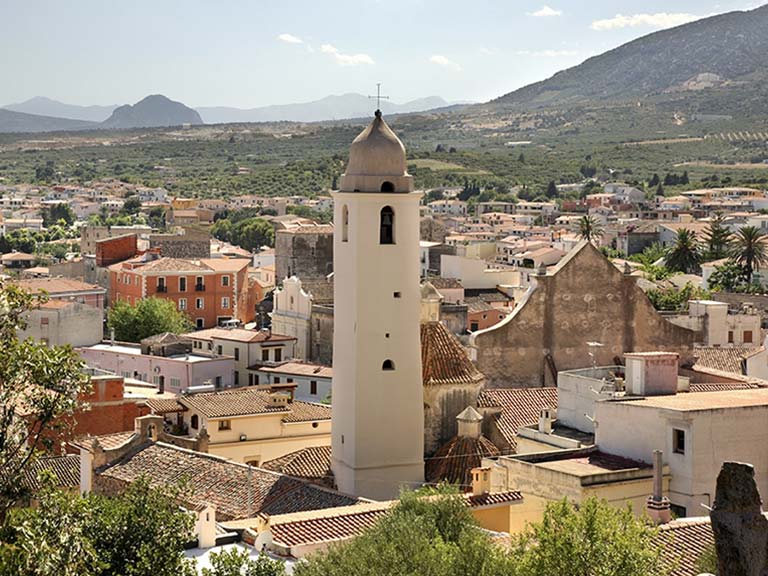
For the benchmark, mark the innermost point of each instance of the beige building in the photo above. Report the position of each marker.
(248, 425)
(61, 322)
(720, 326)
(292, 314)
(378, 416)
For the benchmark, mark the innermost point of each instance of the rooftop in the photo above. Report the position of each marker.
(516, 407)
(238, 335)
(251, 401)
(55, 286)
(443, 359)
(702, 401)
(312, 464)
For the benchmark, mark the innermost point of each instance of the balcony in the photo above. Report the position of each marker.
(199, 287)
(162, 288)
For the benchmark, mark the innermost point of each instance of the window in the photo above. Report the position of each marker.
(290, 380)
(199, 303)
(474, 327)
(265, 355)
(176, 383)
(155, 380)
(161, 284)
(678, 511)
(218, 382)
(678, 441)
(250, 379)
(397, 295)
(199, 285)
(225, 425)
(345, 223)
(182, 284)
(237, 378)
(387, 226)
(225, 280)
(225, 302)
(730, 336)
(276, 380)
(194, 422)
(313, 387)
(237, 353)
(387, 187)
(182, 303)
(747, 336)
(278, 354)
(388, 365)
(219, 350)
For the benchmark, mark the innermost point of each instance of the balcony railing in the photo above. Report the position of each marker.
(162, 288)
(199, 287)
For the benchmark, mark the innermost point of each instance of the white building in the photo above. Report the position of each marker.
(448, 207)
(292, 314)
(312, 381)
(378, 415)
(720, 326)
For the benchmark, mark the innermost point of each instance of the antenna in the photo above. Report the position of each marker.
(379, 97)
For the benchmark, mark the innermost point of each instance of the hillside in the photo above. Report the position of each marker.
(724, 55)
(42, 106)
(11, 121)
(152, 111)
(333, 107)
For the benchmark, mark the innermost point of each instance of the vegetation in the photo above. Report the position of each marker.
(147, 317)
(674, 300)
(748, 249)
(235, 562)
(39, 387)
(728, 277)
(717, 238)
(590, 228)
(438, 536)
(684, 256)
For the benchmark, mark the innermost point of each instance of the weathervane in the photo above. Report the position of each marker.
(379, 98)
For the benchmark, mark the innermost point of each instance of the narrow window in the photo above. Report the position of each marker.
(387, 226)
(225, 425)
(730, 336)
(265, 355)
(225, 280)
(237, 353)
(313, 387)
(182, 284)
(237, 378)
(747, 336)
(219, 350)
(387, 187)
(345, 223)
(193, 423)
(678, 441)
(278, 354)
(388, 365)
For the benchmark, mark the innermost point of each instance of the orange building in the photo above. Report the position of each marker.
(210, 290)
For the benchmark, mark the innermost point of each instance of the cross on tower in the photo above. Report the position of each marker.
(379, 98)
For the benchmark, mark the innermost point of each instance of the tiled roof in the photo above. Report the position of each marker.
(164, 405)
(223, 483)
(172, 265)
(443, 360)
(452, 283)
(519, 407)
(455, 459)
(325, 529)
(727, 359)
(57, 285)
(107, 441)
(238, 335)
(307, 412)
(313, 464)
(65, 468)
(684, 541)
(720, 386)
(297, 368)
(495, 498)
(244, 401)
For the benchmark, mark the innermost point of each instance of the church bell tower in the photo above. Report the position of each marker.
(378, 414)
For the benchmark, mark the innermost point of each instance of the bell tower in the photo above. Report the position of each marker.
(378, 413)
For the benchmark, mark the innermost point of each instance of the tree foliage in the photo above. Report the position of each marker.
(748, 249)
(52, 213)
(674, 300)
(590, 228)
(250, 233)
(146, 318)
(717, 237)
(39, 387)
(236, 562)
(684, 255)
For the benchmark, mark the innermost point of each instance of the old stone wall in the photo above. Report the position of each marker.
(321, 335)
(454, 316)
(306, 254)
(442, 403)
(585, 300)
(189, 245)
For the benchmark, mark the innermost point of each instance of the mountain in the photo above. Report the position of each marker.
(700, 61)
(334, 107)
(42, 106)
(11, 121)
(155, 110)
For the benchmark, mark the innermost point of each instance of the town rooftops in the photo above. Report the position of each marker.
(443, 360)
(203, 266)
(227, 485)
(683, 542)
(251, 401)
(66, 469)
(313, 464)
(702, 401)
(296, 368)
(238, 335)
(513, 408)
(725, 358)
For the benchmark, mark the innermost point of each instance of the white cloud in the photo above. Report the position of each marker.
(548, 53)
(441, 60)
(346, 59)
(289, 38)
(658, 20)
(487, 51)
(545, 12)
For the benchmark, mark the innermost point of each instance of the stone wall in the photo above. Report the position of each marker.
(454, 316)
(442, 403)
(193, 243)
(586, 299)
(321, 335)
(305, 254)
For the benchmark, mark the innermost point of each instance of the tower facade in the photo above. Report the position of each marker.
(378, 414)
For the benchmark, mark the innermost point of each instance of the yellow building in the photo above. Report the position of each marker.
(248, 425)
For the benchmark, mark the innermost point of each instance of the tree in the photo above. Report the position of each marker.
(39, 388)
(253, 233)
(674, 300)
(684, 256)
(660, 190)
(590, 228)
(132, 205)
(593, 539)
(717, 237)
(55, 212)
(748, 249)
(654, 181)
(551, 189)
(146, 318)
(235, 562)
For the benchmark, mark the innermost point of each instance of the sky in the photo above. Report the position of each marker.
(249, 53)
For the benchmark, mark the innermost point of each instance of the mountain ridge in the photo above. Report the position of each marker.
(152, 111)
(44, 106)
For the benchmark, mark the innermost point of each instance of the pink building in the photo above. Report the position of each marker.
(175, 373)
(66, 289)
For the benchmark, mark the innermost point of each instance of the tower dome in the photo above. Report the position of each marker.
(377, 161)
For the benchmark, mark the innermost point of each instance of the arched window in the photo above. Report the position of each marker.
(345, 223)
(388, 365)
(194, 422)
(387, 187)
(387, 226)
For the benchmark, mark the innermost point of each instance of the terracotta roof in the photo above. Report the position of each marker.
(452, 283)
(301, 369)
(455, 459)
(17, 257)
(238, 335)
(66, 469)
(171, 265)
(165, 405)
(519, 407)
(222, 482)
(307, 412)
(245, 401)
(313, 464)
(727, 359)
(721, 386)
(443, 359)
(311, 229)
(492, 499)
(684, 541)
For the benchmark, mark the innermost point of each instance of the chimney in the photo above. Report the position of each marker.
(205, 526)
(657, 506)
(481, 480)
(148, 427)
(470, 423)
(651, 373)
(278, 399)
(545, 421)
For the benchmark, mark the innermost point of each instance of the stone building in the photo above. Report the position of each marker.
(304, 251)
(193, 243)
(584, 310)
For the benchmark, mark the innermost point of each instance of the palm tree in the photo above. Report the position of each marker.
(717, 237)
(749, 250)
(590, 228)
(684, 255)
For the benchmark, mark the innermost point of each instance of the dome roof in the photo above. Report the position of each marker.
(443, 360)
(376, 151)
(454, 461)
